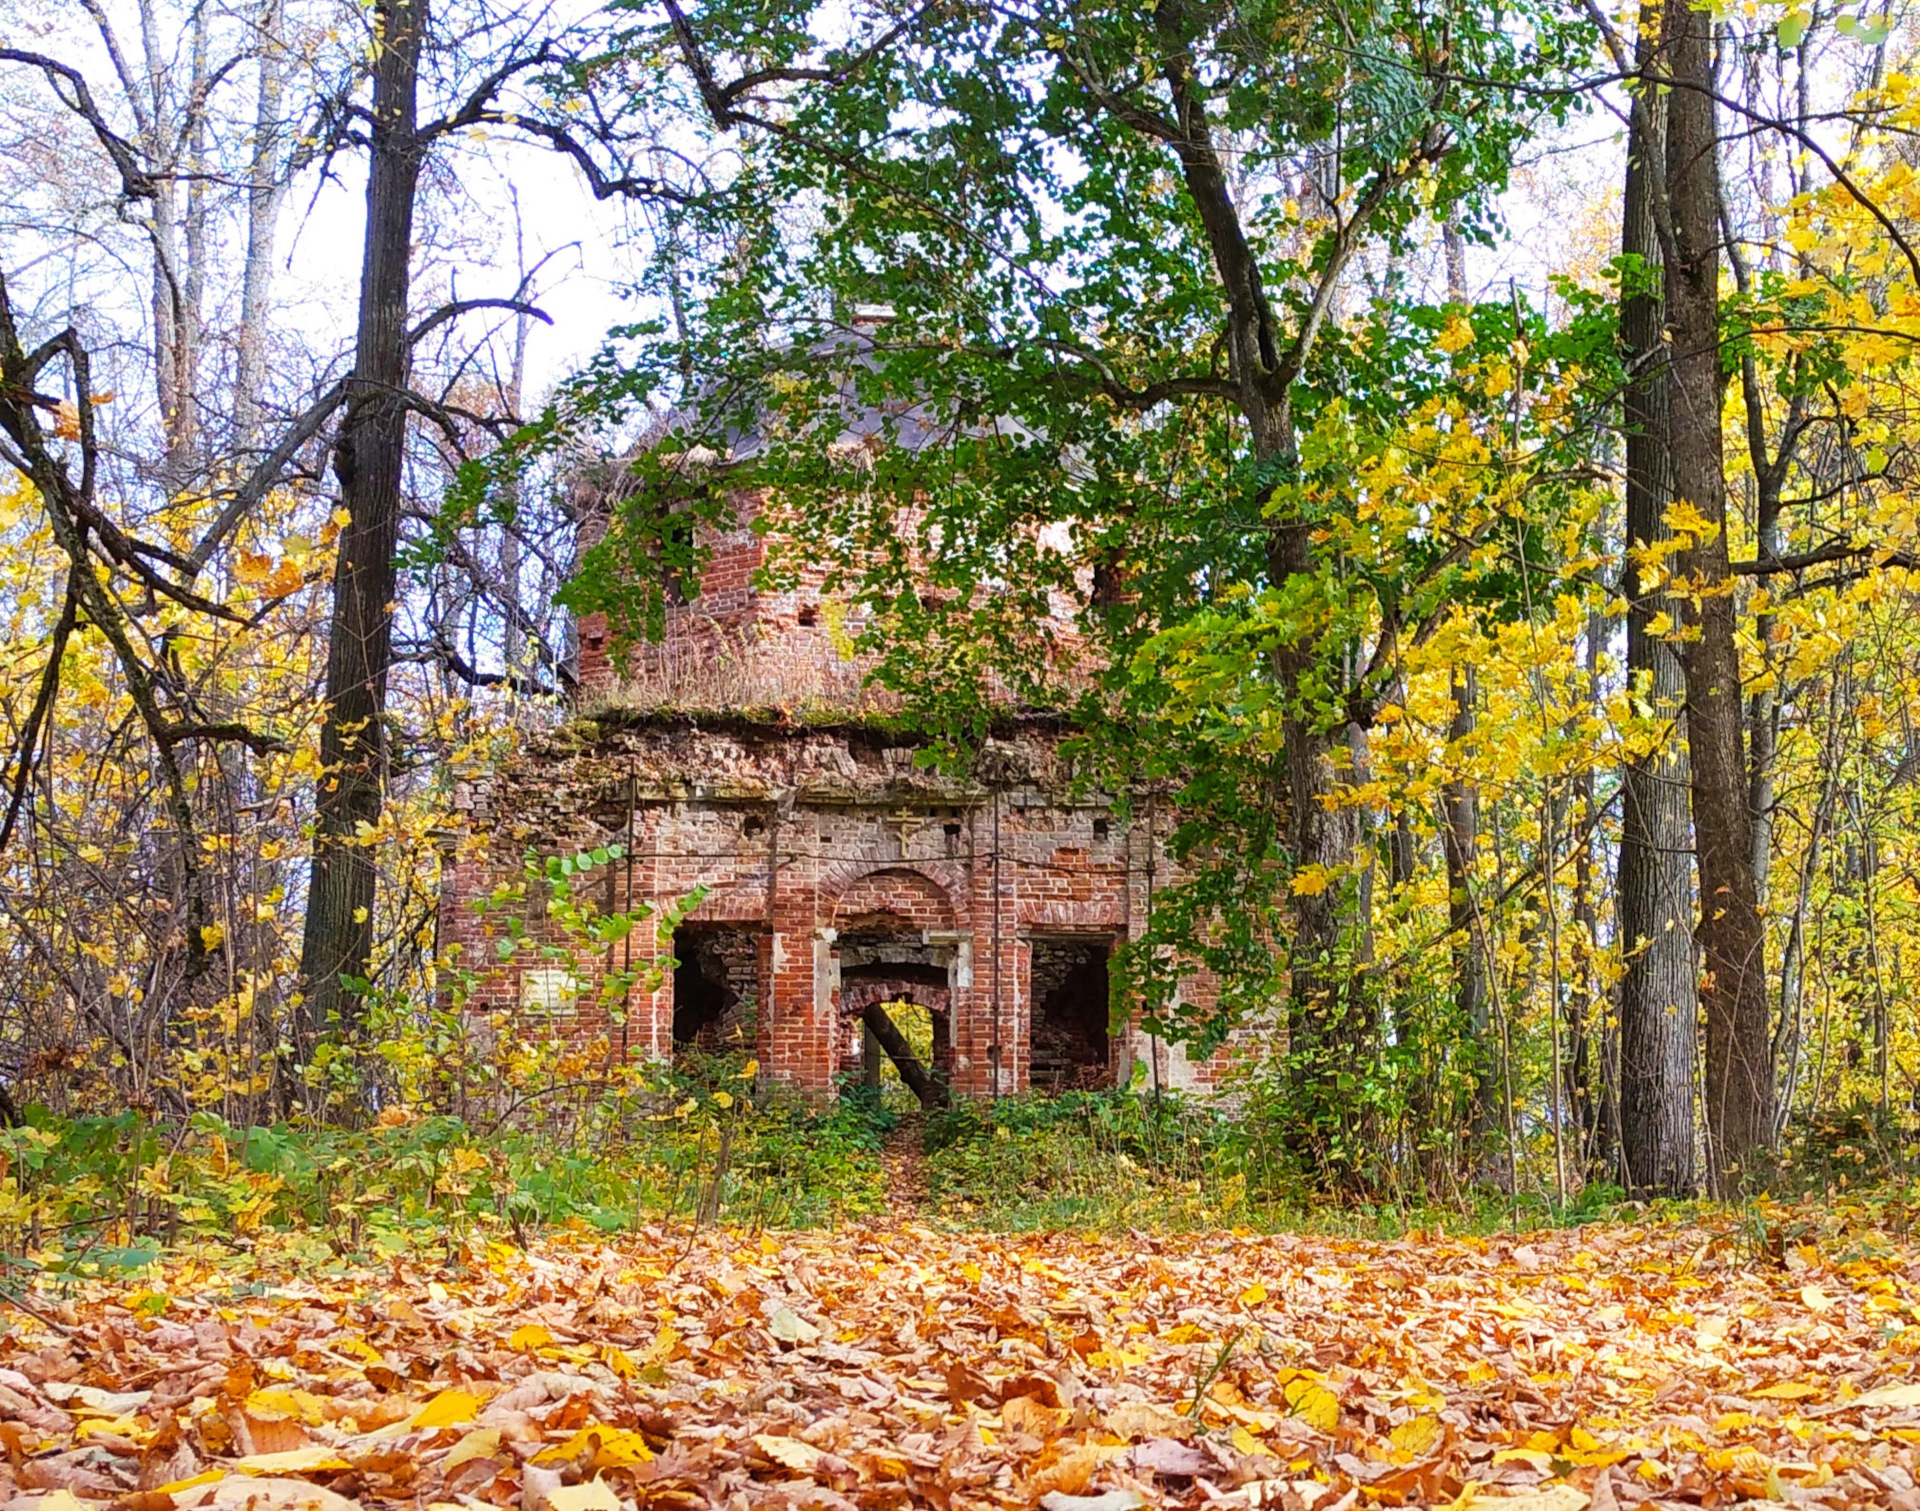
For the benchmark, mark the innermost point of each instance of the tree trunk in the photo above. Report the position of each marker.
(1460, 840)
(265, 192)
(368, 457)
(922, 1084)
(1330, 1033)
(187, 439)
(1739, 1070)
(1594, 1089)
(161, 139)
(1658, 1006)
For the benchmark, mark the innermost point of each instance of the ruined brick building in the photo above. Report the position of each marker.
(838, 874)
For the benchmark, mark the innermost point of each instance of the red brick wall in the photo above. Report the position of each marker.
(803, 836)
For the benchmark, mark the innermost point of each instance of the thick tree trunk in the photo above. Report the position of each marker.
(1331, 1025)
(1329, 1022)
(368, 457)
(1658, 1006)
(1739, 1069)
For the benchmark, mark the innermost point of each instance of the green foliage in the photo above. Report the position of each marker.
(1859, 1145)
(1049, 398)
(80, 1194)
(1107, 1159)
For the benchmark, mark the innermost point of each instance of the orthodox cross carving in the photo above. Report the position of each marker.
(906, 823)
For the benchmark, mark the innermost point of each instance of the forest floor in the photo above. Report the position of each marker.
(897, 1366)
(904, 1160)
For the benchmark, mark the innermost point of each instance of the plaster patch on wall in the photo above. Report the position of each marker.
(549, 990)
(1177, 1072)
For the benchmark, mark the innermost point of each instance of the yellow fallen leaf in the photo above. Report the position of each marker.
(594, 1495)
(662, 1347)
(609, 1447)
(1253, 1295)
(1248, 1444)
(1815, 1300)
(120, 1427)
(174, 1487)
(285, 1405)
(448, 1409)
(533, 1335)
(293, 1461)
(1415, 1438)
(1314, 1404)
(794, 1454)
(481, 1443)
(1789, 1390)
(616, 1360)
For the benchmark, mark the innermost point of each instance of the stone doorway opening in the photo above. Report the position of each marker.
(716, 989)
(878, 1069)
(1070, 1049)
(896, 1005)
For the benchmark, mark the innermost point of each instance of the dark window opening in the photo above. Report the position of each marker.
(1069, 1049)
(716, 981)
(754, 825)
(1100, 828)
(809, 616)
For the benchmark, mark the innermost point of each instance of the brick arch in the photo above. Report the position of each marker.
(857, 995)
(734, 902)
(899, 896)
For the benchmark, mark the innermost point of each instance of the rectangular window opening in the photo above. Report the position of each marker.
(1071, 994)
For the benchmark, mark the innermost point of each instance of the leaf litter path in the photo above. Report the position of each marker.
(897, 1366)
(903, 1159)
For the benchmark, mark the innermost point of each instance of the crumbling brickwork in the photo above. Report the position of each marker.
(837, 873)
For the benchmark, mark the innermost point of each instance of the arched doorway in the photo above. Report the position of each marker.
(894, 942)
(896, 1009)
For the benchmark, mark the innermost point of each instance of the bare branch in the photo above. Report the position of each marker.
(461, 307)
(135, 181)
